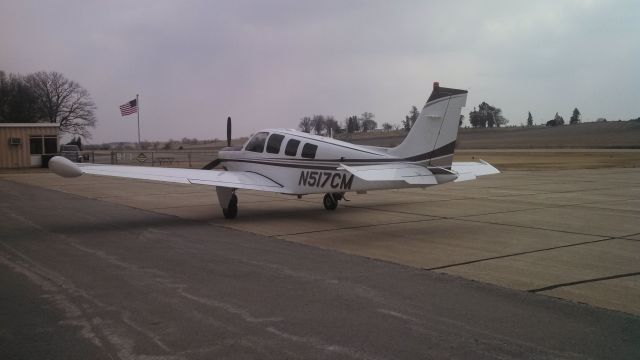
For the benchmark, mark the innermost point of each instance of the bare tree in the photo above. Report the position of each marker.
(319, 124)
(352, 124)
(410, 119)
(63, 101)
(17, 101)
(367, 121)
(305, 124)
(387, 126)
(332, 125)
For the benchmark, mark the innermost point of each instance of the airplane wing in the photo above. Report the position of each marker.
(471, 170)
(410, 173)
(230, 179)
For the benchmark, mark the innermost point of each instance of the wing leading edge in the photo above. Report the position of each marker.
(230, 179)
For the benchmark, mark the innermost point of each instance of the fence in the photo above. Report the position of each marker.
(182, 159)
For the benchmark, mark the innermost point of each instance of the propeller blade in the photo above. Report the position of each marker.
(216, 162)
(229, 131)
(212, 164)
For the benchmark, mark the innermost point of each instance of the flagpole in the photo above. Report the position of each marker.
(138, 104)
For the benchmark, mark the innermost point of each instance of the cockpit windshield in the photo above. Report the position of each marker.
(256, 144)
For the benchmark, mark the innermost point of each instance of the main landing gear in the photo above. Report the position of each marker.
(228, 201)
(330, 200)
(231, 211)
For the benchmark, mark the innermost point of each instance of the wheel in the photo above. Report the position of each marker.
(329, 202)
(232, 210)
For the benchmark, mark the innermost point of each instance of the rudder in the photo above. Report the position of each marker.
(433, 136)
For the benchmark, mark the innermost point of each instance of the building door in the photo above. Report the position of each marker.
(36, 149)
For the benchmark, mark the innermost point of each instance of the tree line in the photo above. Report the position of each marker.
(490, 116)
(47, 97)
(327, 125)
(486, 116)
(482, 116)
(576, 118)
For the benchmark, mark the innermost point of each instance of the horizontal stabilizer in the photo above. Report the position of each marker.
(471, 170)
(410, 173)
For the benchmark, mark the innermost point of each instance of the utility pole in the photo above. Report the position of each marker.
(138, 104)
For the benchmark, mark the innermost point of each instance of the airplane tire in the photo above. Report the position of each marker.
(329, 202)
(232, 211)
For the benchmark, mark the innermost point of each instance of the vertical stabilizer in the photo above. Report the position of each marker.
(433, 136)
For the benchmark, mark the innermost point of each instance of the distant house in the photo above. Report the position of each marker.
(23, 144)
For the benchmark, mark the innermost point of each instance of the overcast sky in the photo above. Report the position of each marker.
(269, 63)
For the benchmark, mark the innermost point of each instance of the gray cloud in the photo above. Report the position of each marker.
(269, 63)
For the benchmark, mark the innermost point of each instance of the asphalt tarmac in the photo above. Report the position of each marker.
(87, 279)
(572, 234)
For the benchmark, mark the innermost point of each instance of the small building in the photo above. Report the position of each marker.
(24, 144)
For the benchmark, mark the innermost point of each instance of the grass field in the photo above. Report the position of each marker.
(552, 159)
(584, 146)
(609, 135)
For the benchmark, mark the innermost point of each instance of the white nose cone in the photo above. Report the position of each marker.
(64, 167)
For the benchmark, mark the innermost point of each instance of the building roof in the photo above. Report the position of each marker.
(26, 125)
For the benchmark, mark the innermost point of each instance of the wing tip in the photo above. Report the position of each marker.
(64, 167)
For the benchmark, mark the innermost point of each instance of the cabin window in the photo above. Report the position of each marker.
(256, 144)
(274, 142)
(309, 151)
(292, 147)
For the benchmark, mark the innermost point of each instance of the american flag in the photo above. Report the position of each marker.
(130, 107)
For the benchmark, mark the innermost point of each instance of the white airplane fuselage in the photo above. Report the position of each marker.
(319, 171)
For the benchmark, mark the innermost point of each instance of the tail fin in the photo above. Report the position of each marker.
(433, 136)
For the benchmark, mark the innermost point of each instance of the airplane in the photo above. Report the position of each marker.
(291, 162)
